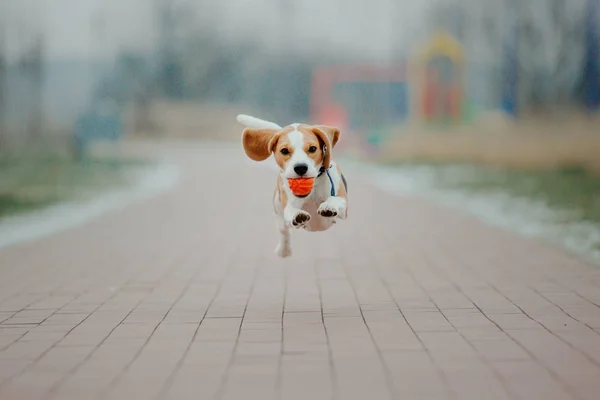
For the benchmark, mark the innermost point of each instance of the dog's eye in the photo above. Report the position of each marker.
(312, 149)
(285, 151)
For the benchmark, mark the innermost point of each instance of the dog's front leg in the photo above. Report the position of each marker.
(294, 216)
(334, 206)
(293, 213)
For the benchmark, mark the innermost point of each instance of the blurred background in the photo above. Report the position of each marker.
(477, 97)
(489, 107)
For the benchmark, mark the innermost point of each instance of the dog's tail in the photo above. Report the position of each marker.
(256, 123)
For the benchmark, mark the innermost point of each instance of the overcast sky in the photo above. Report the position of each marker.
(98, 28)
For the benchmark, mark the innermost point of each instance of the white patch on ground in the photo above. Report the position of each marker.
(527, 217)
(148, 182)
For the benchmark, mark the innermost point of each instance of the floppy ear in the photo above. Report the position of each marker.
(332, 133)
(258, 143)
(330, 136)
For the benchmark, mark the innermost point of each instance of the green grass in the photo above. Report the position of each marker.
(38, 181)
(572, 189)
(11, 204)
(561, 205)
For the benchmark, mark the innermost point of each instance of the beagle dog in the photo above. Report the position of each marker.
(300, 151)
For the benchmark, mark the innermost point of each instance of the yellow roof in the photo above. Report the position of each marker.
(443, 43)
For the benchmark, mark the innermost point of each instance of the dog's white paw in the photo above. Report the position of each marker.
(283, 250)
(333, 207)
(327, 211)
(300, 219)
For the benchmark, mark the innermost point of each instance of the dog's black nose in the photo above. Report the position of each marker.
(300, 169)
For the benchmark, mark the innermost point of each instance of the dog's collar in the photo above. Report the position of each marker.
(324, 170)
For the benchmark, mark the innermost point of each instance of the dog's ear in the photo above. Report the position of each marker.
(333, 133)
(259, 143)
(329, 135)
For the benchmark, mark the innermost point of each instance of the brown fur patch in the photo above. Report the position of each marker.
(333, 133)
(326, 135)
(257, 143)
(260, 143)
(341, 192)
(312, 140)
(275, 193)
(283, 143)
(282, 195)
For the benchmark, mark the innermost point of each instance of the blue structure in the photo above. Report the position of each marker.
(372, 103)
(96, 125)
(592, 67)
(510, 90)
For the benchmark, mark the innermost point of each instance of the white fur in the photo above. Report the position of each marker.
(299, 156)
(256, 123)
(306, 213)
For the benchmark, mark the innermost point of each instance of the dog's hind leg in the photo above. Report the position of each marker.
(284, 247)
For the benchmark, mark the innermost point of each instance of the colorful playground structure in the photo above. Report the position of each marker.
(369, 100)
(439, 77)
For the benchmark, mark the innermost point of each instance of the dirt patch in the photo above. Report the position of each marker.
(535, 142)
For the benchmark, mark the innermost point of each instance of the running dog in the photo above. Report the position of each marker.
(311, 192)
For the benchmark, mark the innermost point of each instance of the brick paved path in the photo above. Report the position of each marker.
(182, 297)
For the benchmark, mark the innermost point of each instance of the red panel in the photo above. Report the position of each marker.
(325, 78)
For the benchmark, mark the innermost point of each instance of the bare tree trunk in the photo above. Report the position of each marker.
(3, 73)
(37, 80)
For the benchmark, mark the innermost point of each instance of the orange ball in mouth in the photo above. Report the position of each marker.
(301, 187)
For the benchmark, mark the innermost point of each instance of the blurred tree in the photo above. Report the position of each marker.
(200, 49)
(549, 36)
(134, 73)
(552, 53)
(199, 61)
(591, 74)
(224, 78)
(3, 74)
(170, 75)
(130, 81)
(31, 66)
